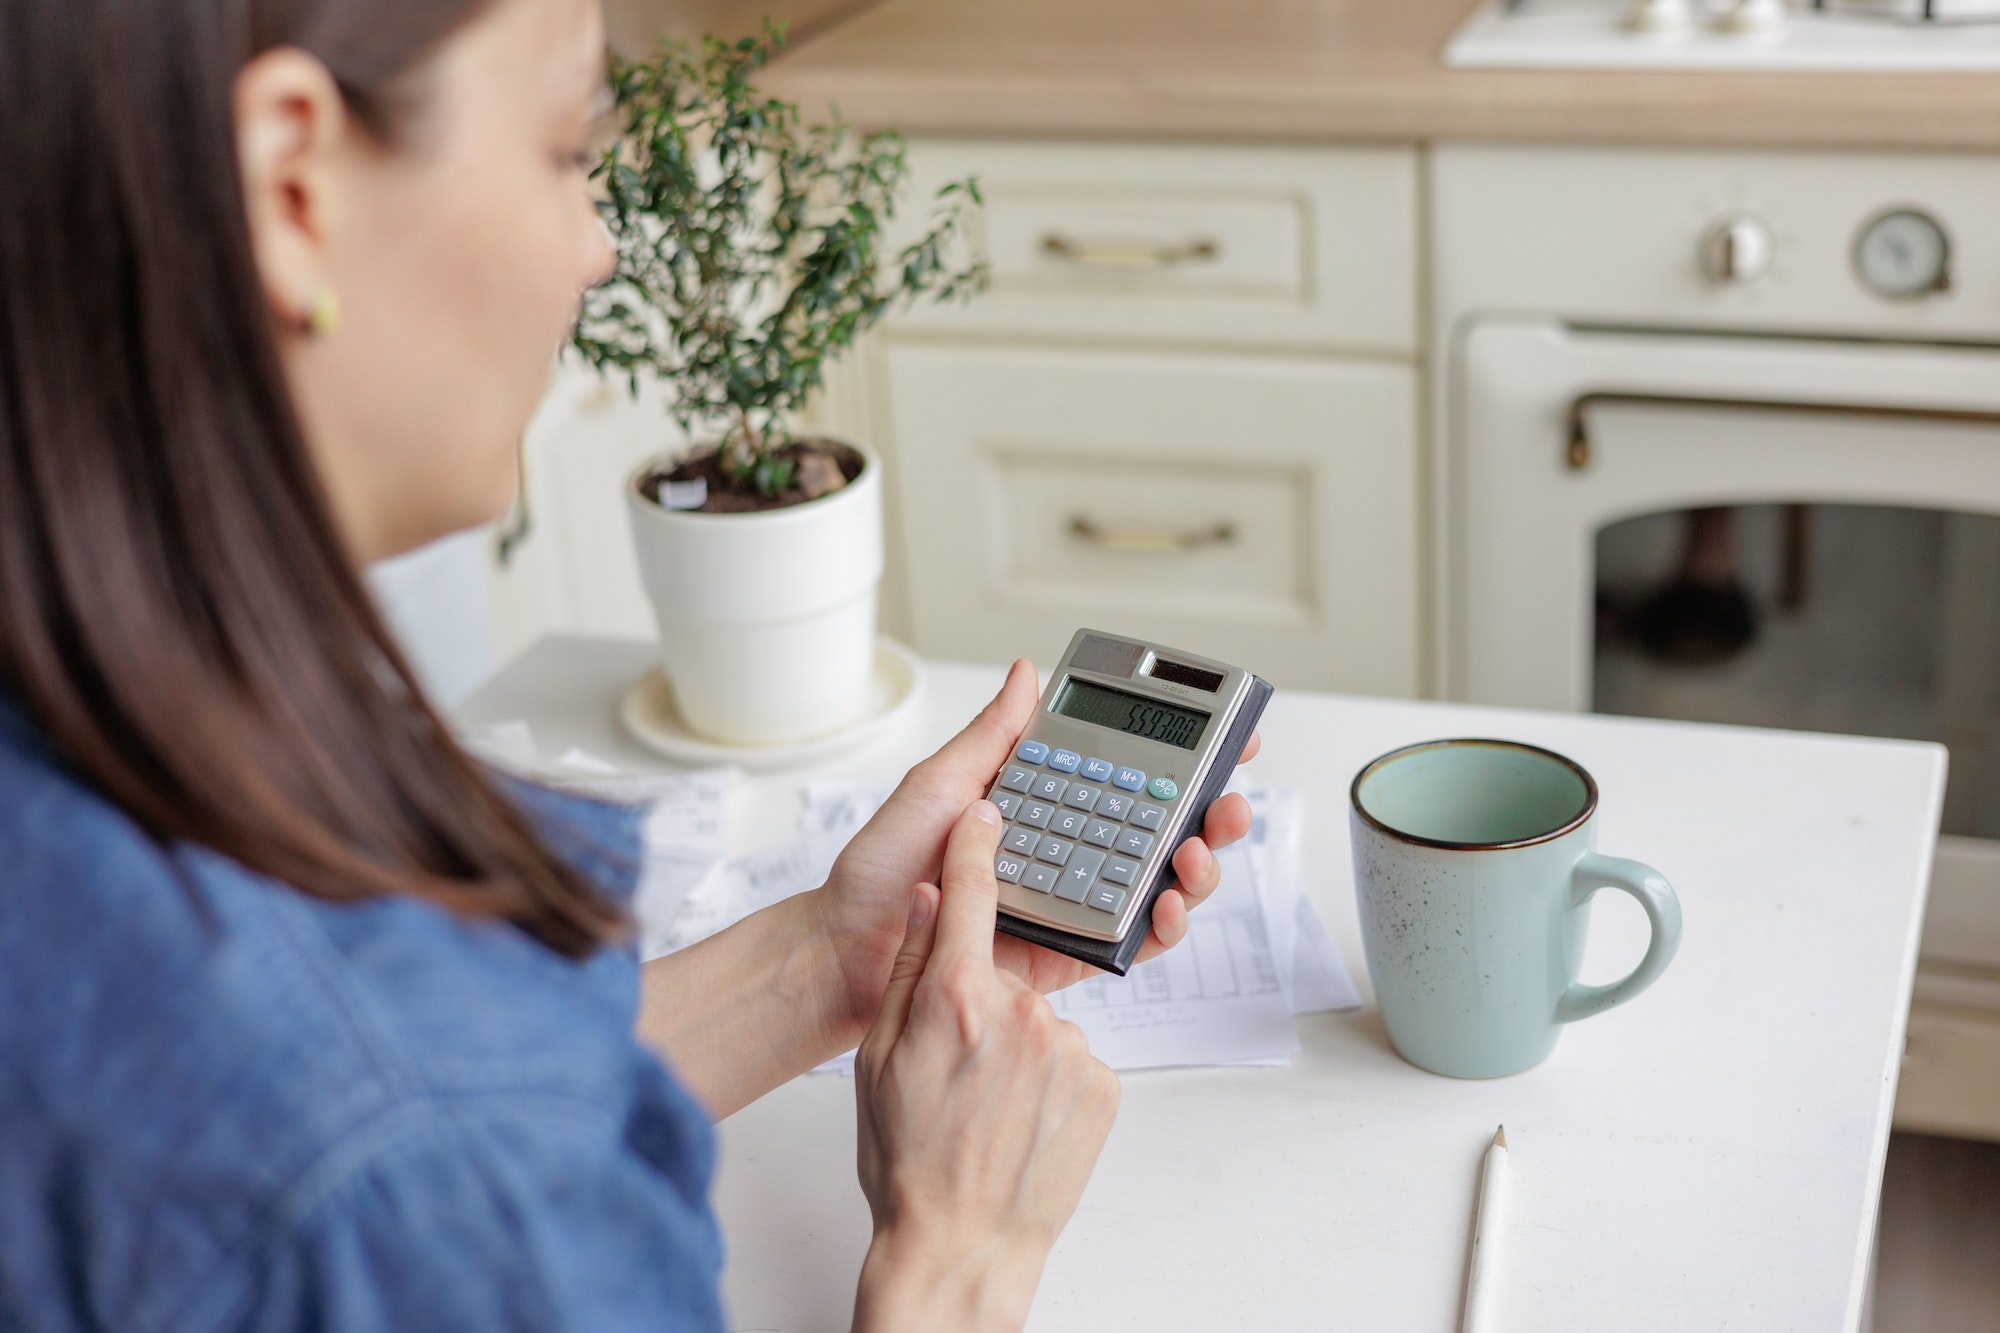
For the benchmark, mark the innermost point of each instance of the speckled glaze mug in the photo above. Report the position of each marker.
(1475, 862)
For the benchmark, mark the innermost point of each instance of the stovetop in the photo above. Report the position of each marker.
(1833, 35)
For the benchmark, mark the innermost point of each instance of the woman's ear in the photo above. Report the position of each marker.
(290, 127)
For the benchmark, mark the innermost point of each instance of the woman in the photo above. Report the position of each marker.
(306, 1021)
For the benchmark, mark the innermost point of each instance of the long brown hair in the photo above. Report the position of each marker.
(177, 609)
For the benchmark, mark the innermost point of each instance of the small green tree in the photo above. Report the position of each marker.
(750, 248)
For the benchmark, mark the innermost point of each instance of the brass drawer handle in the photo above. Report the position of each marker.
(1117, 254)
(1149, 541)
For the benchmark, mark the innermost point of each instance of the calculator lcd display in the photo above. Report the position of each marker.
(1130, 714)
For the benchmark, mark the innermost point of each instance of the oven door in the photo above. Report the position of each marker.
(1569, 443)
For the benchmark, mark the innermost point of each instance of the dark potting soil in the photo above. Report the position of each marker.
(810, 460)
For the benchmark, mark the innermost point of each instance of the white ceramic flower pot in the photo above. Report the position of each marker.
(767, 619)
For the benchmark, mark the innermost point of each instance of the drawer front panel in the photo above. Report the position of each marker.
(1209, 245)
(1112, 244)
(1259, 510)
(1086, 527)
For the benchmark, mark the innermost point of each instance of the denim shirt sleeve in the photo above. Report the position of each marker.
(513, 1226)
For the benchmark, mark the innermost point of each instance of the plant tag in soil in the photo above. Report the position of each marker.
(684, 494)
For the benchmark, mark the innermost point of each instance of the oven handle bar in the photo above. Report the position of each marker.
(1576, 448)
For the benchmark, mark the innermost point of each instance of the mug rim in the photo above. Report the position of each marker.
(1417, 839)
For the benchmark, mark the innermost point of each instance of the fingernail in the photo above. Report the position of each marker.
(920, 910)
(986, 813)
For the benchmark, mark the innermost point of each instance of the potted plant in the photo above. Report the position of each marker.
(751, 250)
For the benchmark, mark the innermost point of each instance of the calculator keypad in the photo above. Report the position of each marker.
(1076, 827)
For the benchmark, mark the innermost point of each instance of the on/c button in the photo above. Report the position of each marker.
(1162, 789)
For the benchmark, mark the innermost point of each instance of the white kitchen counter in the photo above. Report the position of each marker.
(1706, 1157)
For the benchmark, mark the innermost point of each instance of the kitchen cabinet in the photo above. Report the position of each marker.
(1252, 508)
(1186, 409)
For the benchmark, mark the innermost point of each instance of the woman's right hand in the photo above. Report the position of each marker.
(981, 1114)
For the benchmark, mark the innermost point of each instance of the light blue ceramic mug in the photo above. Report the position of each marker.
(1475, 862)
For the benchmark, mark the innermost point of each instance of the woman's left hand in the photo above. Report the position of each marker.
(865, 903)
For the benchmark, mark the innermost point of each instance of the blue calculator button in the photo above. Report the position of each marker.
(1163, 789)
(1032, 752)
(1065, 761)
(1131, 779)
(1097, 770)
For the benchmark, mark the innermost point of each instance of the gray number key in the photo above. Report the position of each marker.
(1101, 833)
(1151, 817)
(1114, 805)
(1054, 850)
(1078, 879)
(1134, 843)
(1022, 840)
(1009, 803)
(1105, 898)
(1069, 823)
(1081, 796)
(1120, 871)
(1017, 778)
(1049, 787)
(1035, 814)
(1040, 878)
(1008, 867)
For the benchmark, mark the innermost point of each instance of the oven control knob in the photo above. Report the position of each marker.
(1737, 250)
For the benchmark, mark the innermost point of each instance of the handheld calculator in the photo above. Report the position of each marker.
(1131, 744)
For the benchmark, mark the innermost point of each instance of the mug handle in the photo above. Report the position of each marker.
(1663, 909)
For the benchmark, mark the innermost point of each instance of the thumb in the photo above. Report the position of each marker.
(980, 749)
(908, 968)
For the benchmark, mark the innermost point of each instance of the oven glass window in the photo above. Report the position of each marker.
(1864, 619)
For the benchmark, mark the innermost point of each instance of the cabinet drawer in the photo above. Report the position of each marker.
(1253, 247)
(1261, 510)
(1087, 528)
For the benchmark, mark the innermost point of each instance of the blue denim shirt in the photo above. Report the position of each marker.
(226, 1105)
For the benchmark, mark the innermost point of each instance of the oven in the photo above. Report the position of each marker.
(1730, 478)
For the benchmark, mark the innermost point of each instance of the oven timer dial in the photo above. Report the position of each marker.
(1904, 255)
(1737, 250)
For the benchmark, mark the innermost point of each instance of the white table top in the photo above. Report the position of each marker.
(1706, 1157)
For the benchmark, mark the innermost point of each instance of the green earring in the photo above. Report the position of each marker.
(324, 316)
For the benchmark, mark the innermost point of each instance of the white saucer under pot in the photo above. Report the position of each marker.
(767, 619)
(895, 687)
